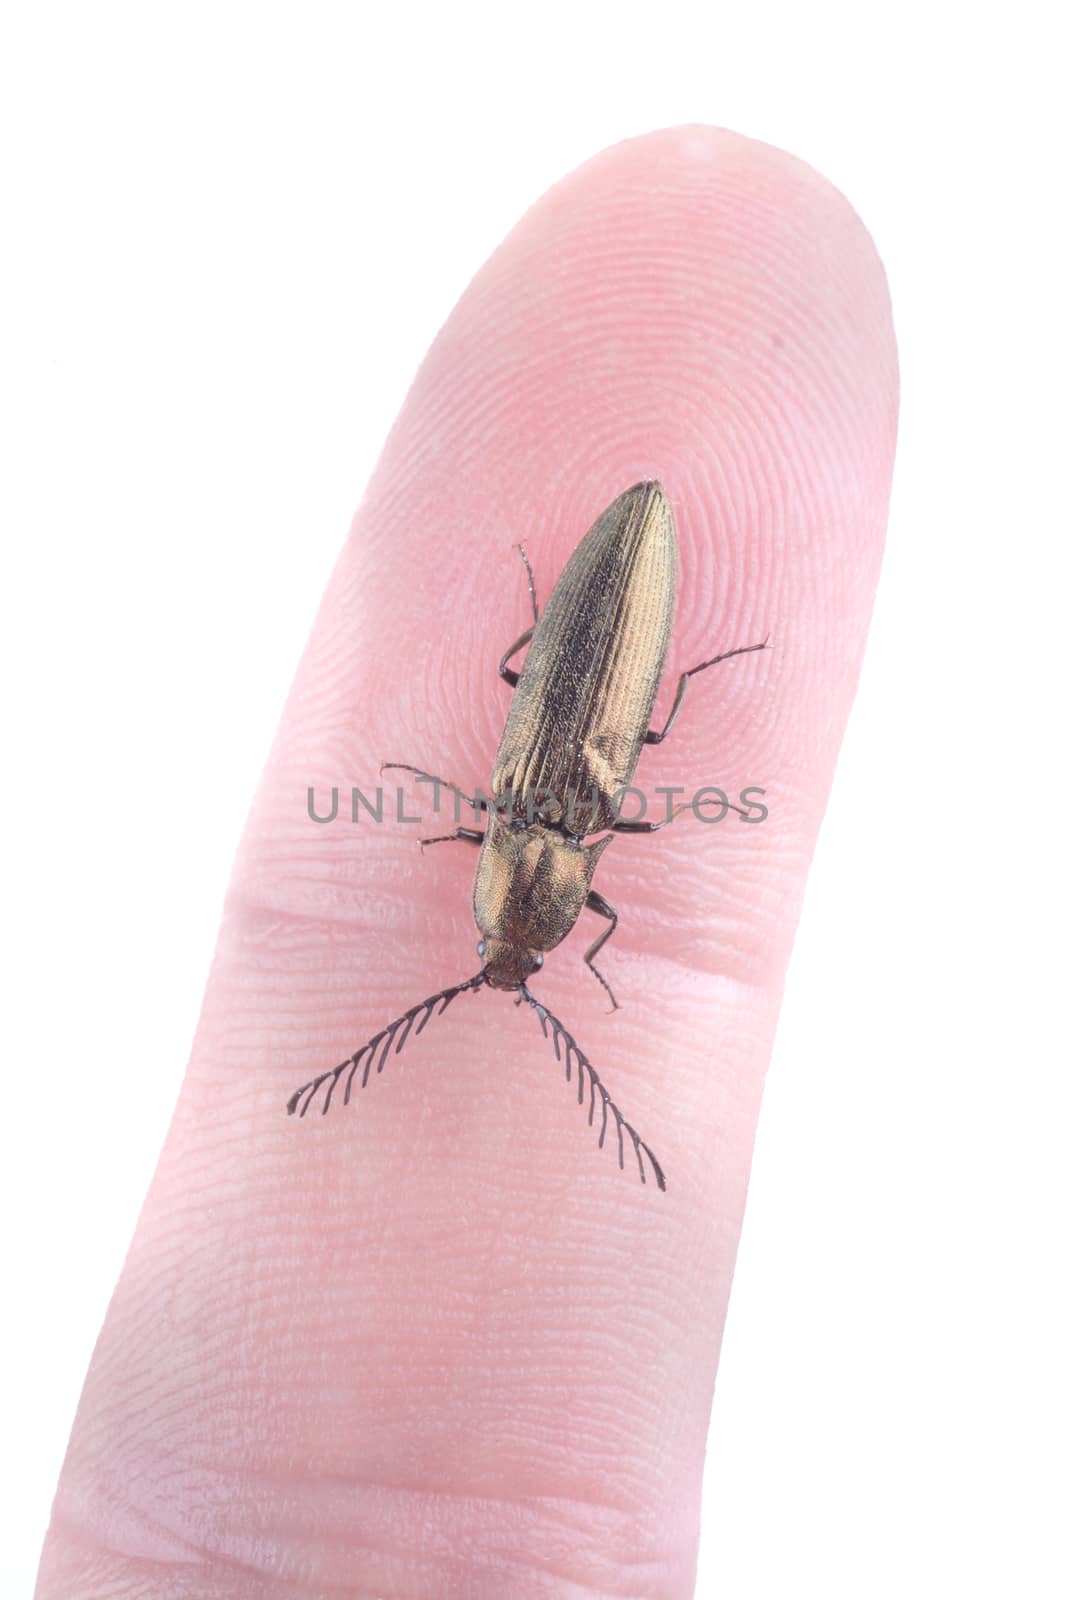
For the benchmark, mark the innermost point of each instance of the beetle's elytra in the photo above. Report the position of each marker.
(578, 721)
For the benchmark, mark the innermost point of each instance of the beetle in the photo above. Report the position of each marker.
(579, 719)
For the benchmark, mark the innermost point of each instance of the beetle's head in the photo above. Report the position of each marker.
(507, 966)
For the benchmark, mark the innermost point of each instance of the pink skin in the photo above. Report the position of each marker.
(435, 1344)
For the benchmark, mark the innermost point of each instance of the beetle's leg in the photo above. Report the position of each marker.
(470, 835)
(508, 674)
(596, 902)
(476, 803)
(530, 582)
(683, 683)
(622, 825)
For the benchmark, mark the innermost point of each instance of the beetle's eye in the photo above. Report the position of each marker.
(481, 948)
(539, 961)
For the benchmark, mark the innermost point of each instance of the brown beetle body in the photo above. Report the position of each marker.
(583, 703)
(576, 727)
(578, 721)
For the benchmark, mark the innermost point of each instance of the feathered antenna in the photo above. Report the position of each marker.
(585, 1066)
(403, 1025)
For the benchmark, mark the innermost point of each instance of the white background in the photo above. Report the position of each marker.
(230, 234)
